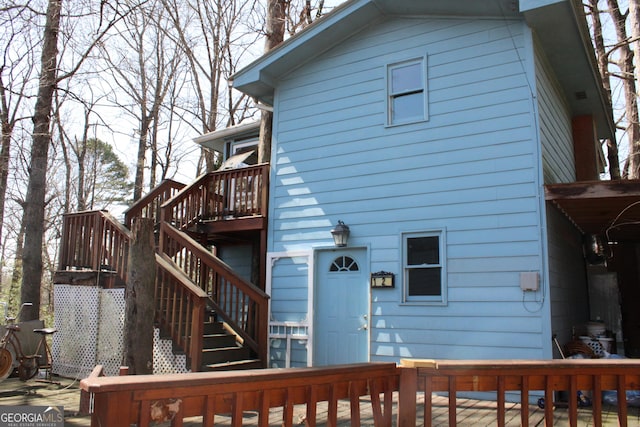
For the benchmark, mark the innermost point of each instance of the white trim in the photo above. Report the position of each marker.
(236, 144)
(365, 268)
(442, 299)
(423, 89)
(272, 257)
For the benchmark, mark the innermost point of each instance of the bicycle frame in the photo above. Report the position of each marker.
(27, 365)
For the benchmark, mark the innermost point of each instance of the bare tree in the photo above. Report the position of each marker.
(634, 144)
(51, 73)
(143, 65)
(621, 56)
(280, 14)
(603, 67)
(274, 28)
(35, 200)
(214, 36)
(16, 70)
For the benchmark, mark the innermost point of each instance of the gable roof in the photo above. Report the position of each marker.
(559, 25)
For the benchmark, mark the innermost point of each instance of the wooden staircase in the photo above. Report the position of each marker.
(212, 315)
(222, 351)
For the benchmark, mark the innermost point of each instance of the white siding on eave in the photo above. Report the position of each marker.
(470, 170)
(555, 125)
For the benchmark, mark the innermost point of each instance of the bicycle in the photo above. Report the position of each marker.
(28, 364)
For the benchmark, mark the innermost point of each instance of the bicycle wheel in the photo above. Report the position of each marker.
(28, 368)
(6, 363)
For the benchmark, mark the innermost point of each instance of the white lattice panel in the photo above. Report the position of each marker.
(90, 323)
(76, 319)
(164, 360)
(110, 330)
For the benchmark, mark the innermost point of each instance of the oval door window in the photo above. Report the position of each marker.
(344, 263)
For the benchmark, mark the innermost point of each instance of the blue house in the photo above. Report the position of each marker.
(440, 134)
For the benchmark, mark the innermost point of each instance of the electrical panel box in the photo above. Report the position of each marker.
(529, 281)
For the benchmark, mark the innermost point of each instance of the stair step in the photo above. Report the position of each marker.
(212, 341)
(225, 355)
(236, 365)
(211, 328)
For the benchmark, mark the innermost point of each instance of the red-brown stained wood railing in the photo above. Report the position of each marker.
(219, 195)
(94, 240)
(523, 376)
(149, 205)
(180, 309)
(122, 401)
(242, 305)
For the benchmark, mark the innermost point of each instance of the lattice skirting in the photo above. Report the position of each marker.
(90, 323)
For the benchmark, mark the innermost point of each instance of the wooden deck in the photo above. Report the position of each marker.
(470, 412)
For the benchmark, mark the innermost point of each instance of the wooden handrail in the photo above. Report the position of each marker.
(143, 399)
(149, 205)
(242, 305)
(180, 309)
(121, 401)
(522, 376)
(219, 195)
(94, 240)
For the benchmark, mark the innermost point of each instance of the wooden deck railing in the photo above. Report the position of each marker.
(96, 241)
(219, 195)
(243, 306)
(144, 399)
(180, 309)
(149, 205)
(121, 401)
(523, 377)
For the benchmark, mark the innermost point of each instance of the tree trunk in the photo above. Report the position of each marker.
(36, 189)
(631, 104)
(634, 147)
(603, 67)
(142, 152)
(7, 131)
(276, 18)
(139, 302)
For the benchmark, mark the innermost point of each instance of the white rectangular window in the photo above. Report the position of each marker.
(406, 88)
(424, 267)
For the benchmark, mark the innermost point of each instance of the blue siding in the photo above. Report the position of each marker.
(471, 169)
(289, 289)
(238, 257)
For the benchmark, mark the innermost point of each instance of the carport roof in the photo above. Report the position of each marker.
(608, 208)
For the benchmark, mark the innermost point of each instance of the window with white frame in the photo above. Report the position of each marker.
(406, 90)
(244, 146)
(424, 267)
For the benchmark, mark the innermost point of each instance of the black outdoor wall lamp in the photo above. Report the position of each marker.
(340, 234)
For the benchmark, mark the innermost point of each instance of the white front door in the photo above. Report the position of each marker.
(341, 312)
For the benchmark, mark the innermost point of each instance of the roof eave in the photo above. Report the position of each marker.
(560, 27)
(215, 140)
(258, 78)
